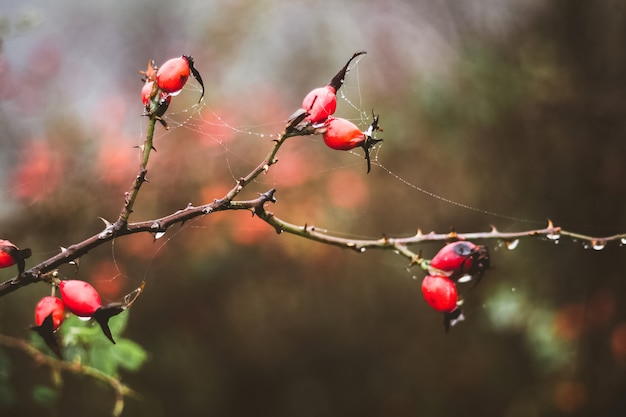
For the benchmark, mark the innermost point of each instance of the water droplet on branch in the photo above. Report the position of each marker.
(511, 244)
(554, 237)
(598, 244)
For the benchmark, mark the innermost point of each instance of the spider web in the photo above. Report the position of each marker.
(238, 148)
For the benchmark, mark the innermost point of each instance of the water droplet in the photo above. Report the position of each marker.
(207, 210)
(362, 250)
(465, 278)
(84, 318)
(158, 235)
(154, 226)
(598, 244)
(511, 244)
(623, 241)
(554, 237)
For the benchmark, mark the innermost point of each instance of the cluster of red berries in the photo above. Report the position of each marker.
(338, 133)
(79, 298)
(161, 83)
(456, 262)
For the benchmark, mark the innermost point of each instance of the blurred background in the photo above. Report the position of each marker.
(514, 108)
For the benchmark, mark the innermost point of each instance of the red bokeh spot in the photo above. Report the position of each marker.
(618, 342)
(569, 321)
(108, 281)
(569, 396)
(348, 190)
(39, 172)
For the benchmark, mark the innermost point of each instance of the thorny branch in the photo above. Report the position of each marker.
(399, 245)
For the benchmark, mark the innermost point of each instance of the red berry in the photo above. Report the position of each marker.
(49, 314)
(320, 103)
(342, 134)
(83, 300)
(440, 293)
(146, 92)
(80, 297)
(6, 259)
(11, 255)
(461, 258)
(154, 107)
(173, 74)
(50, 306)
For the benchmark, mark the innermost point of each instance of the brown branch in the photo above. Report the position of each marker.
(122, 228)
(400, 245)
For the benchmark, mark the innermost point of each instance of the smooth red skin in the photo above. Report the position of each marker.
(342, 134)
(6, 260)
(448, 260)
(173, 75)
(440, 293)
(50, 305)
(146, 90)
(80, 297)
(320, 103)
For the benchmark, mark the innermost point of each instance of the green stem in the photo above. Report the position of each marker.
(131, 195)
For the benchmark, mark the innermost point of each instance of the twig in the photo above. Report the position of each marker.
(121, 390)
(400, 245)
(123, 228)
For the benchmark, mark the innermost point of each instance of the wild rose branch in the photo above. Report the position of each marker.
(315, 117)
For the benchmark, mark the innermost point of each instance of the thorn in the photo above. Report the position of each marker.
(106, 223)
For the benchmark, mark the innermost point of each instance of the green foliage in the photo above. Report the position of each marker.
(7, 394)
(45, 395)
(83, 342)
